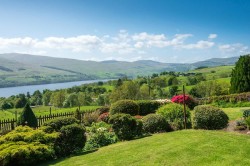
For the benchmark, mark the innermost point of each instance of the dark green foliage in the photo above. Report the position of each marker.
(240, 125)
(27, 117)
(124, 126)
(125, 106)
(71, 139)
(77, 114)
(173, 113)
(209, 118)
(147, 106)
(173, 90)
(153, 123)
(20, 101)
(58, 123)
(240, 80)
(246, 113)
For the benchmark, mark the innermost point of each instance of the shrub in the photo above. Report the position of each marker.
(153, 123)
(24, 154)
(248, 121)
(104, 117)
(103, 109)
(173, 114)
(209, 117)
(58, 123)
(26, 146)
(77, 114)
(90, 117)
(27, 117)
(246, 113)
(147, 106)
(125, 106)
(124, 126)
(99, 135)
(189, 101)
(240, 125)
(71, 139)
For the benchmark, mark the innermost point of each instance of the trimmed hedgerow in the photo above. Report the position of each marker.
(209, 117)
(125, 126)
(125, 106)
(153, 123)
(173, 114)
(147, 106)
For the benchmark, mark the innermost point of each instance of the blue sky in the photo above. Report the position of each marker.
(162, 30)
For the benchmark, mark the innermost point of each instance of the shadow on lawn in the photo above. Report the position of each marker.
(57, 161)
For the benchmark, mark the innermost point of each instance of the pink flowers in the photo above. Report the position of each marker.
(189, 101)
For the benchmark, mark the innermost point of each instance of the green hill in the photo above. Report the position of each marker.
(186, 147)
(24, 69)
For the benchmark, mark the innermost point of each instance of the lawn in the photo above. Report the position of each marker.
(186, 147)
(42, 110)
(235, 113)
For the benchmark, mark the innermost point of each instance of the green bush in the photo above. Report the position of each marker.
(103, 109)
(147, 106)
(24, 154)
(209, 117)
(124, 125)
(26, 146)
(125, 106)
(71, 139)
(153, 123)
(248, 122)
(246, 113)
(27, 117)
(173, 114)
(99, 135)
(57, 123)
(90, 117)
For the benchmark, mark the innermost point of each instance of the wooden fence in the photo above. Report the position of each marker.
(10, 124)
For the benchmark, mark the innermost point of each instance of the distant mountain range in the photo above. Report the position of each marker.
(22, 69)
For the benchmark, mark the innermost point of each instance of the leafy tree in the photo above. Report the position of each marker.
(57, 98)
(240, 80)
(20, 101)
(100, 100)
(173, 90)
(27, 117)
(46, 97)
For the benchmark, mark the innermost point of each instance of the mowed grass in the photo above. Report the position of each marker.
(235, 113)
(42, 110)
(185, 148)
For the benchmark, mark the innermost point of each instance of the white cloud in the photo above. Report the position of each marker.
(212, 36)
(199, 45)
(234, 48)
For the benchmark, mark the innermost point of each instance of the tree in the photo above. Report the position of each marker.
(27, 117)
(57, 98)
(240, 80)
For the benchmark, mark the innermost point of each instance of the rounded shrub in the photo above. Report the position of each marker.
(57, 123)
(147, 106)
(189, 101)
(124, 125)
(71, 139)
(174, 115)
(153, 123)
(209, 117)
(125, 106)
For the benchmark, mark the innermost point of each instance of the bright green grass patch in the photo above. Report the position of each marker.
(42, 110)
(235, 113)
(186, 147)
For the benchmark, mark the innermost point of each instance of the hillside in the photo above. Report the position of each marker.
(186, 147)
(24, 69)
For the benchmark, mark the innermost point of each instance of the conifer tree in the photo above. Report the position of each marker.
(240, 80)
(27, 117)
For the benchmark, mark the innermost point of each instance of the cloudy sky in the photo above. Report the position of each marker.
(161, 30)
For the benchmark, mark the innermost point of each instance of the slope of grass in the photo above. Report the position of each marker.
(235, 113)
(187, 147)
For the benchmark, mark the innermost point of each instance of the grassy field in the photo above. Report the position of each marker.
(42, 110)
(186, 147)
(235, 113)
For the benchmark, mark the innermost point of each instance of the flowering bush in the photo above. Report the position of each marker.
(189, 101)
(104, 117)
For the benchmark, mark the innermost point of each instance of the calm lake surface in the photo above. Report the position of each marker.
(6, 92)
